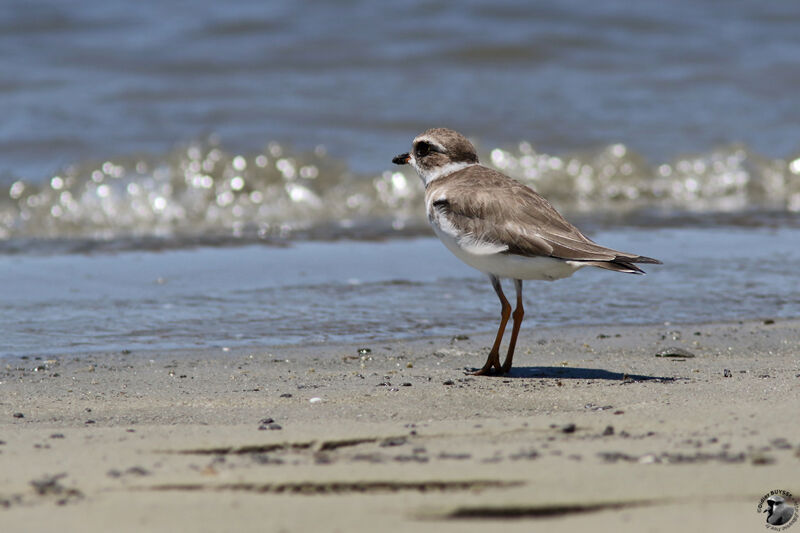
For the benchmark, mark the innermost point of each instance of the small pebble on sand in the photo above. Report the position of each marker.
(675, 351)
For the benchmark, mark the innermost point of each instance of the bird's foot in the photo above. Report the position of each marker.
(492, 367)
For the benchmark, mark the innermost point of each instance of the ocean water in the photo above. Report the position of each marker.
(314, 292)
(205, 173)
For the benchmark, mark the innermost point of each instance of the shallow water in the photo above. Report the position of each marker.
(210, 173)
(359, 291)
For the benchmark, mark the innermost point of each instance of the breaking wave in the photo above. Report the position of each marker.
(202, 193)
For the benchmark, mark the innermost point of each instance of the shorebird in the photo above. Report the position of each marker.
(501, 227)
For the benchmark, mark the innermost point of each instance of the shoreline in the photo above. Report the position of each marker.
(590, 430)
(320, 347)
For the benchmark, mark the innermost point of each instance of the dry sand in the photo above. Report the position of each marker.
(590, 432)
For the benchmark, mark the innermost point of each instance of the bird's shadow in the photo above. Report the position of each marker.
(560, 372)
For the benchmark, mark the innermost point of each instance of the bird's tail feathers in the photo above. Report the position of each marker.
(642, 259)
(624, 264)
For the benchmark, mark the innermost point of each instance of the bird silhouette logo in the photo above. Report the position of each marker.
(781, 509)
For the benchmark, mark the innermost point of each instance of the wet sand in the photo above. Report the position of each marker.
(591, 431)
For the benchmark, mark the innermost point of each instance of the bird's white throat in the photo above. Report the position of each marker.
(430, 174)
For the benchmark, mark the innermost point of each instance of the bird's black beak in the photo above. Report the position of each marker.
(401, 159)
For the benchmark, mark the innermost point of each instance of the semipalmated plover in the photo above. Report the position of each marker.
(500, 226)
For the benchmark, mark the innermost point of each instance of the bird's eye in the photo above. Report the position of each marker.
(422, 149)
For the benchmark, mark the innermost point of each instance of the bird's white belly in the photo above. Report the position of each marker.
(504, 265)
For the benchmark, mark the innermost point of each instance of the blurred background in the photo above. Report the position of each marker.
(174, 125)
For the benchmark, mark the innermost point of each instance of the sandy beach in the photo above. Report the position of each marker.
(592, 431)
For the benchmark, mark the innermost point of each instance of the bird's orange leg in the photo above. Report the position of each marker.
(519, 312)
(505, 312)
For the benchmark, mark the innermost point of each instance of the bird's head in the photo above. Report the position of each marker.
(772, 502)
(438, 152)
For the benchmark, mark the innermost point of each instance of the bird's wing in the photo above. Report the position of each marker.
(495, 209)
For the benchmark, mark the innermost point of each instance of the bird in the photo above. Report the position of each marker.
(778, 511)
(501, 227)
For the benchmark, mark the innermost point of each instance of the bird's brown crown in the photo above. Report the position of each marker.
(441, 146)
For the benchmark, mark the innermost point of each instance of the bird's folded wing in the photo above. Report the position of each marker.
(501, 211)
